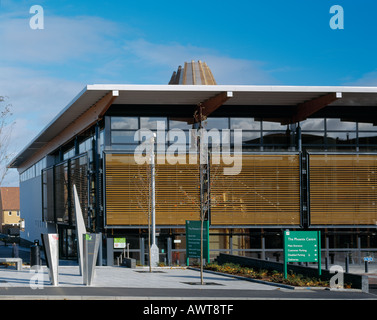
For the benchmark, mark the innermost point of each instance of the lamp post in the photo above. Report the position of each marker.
(154, 255)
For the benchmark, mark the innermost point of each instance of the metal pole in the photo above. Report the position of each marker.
(149, 227)
(154, 253)
(153, 195)
(201, 210)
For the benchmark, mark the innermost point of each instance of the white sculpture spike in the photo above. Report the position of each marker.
(51, 244)
(80, 228)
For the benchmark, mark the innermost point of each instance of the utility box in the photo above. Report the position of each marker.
(129, 263)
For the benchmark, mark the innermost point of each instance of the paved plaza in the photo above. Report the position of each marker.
(120, 277)
(120, 283)
(116, 283)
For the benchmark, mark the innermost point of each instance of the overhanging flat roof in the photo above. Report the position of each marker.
(192, 95)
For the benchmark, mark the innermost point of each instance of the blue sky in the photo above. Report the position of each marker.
(142, 42)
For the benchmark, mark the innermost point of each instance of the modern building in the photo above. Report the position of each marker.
(9, 209)
(309, 162)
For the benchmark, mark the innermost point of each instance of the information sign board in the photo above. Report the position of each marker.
(119, 243)
(302, 246)
(193, 239)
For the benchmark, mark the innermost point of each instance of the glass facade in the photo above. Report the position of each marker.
(334, 134)
(279, 196)
(328, 134)
(258, 135)
(33, 171)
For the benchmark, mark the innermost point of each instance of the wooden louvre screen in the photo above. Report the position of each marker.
(127, 190)
(265, 192)
(343, 189)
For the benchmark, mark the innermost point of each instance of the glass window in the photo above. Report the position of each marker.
(274, 137)
(273, 241)
(119, 123)
(124, 147)
(151, 122)
(268, 125)
(367, 138)
(312, 124)
(217, 123)
(244, 124)
(248, 137)
(337, 124)
(178, 136)
(367, 127)
(368, 240)
(85, 145)
(39, 166)
(179, 124)
(342, 137)
(125, 137)
(313, 137)
(101, 142)
(69, 154)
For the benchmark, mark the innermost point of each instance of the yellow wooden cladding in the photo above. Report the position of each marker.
(266, 192)
(128, 197)
(343, 189)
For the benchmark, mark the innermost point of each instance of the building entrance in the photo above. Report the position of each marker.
(67, 243)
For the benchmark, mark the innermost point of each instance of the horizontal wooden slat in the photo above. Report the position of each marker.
(265, 192)
(128, 196)
(343, 189)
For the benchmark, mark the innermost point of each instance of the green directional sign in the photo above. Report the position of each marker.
(302, 246)
(193, 246)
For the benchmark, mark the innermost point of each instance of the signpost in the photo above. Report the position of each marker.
(302, 246)
(193, 240)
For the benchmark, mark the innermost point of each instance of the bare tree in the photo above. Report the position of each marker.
(5, 134)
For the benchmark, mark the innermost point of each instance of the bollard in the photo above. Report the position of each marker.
(366, 266)
(347, 263)
(15, 251)
(35, 255)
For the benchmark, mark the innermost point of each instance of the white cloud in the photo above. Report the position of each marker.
(41, 71)
(226, 70)
(33, 67)
(35, 100)
(368, 79)
(61, 39)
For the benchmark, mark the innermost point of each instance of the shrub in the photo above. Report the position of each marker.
(273, 276)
